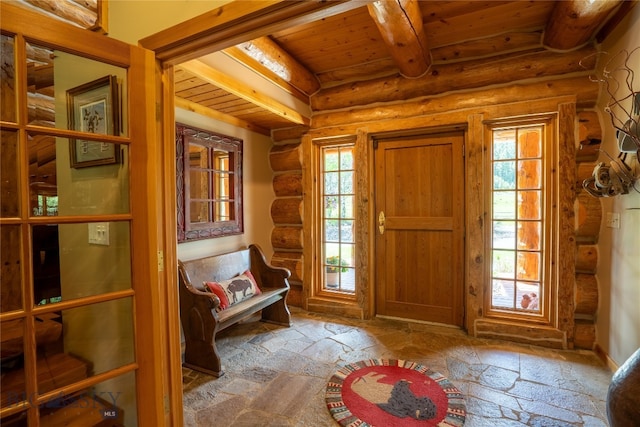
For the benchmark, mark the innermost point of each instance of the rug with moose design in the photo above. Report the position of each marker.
(389, 392)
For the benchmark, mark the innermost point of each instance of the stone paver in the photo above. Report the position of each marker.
(276, 376)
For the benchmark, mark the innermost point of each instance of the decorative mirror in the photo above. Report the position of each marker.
(209, 184)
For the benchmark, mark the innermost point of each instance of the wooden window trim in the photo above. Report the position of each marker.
(210, 229)
(319, 300)
(547, 315)
(322, 286)
(318, 281)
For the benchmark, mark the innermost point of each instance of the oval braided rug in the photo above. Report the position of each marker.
(389, 392)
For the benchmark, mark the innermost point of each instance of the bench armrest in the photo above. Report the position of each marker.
(193, 296)
(267, 275)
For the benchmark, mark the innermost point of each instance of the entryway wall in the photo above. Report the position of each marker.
(564, 97)
(617, 329)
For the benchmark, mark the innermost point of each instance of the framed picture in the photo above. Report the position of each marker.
(94, 107)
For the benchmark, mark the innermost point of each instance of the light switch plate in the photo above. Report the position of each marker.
(613, 220)
(99, 233)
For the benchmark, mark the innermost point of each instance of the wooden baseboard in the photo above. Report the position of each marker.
(613, 366)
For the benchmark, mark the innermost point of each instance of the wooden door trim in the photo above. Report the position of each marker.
(149, 283)
(419, 131)
(235, 23)
(166, 134)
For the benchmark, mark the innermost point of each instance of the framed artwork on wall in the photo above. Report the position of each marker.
(94, 107)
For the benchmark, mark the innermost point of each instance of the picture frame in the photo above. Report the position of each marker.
(94, 107)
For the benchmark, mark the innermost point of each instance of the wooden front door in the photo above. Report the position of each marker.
(420, 237)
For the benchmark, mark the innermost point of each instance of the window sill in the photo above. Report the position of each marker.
(332, 305)
(544, 336)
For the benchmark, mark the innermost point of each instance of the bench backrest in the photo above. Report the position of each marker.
(216, 267)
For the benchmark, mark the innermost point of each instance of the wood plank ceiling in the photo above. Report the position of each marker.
(401, 38)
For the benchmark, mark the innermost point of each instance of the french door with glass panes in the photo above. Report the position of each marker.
(77, 228)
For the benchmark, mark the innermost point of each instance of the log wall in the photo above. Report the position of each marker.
(391, 104)
(588, 214)
(90, 14)
(286, 210)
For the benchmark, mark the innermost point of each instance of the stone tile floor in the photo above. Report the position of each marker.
(276, 376)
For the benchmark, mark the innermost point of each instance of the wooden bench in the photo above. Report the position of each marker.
(199, 309)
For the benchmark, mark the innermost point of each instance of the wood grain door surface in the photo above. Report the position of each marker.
(419, 243)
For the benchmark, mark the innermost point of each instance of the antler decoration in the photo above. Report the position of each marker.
(617, 77)
(623, 106)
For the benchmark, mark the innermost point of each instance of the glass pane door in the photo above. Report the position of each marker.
(68, 306)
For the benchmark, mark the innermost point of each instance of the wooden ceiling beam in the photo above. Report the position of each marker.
(244, 91)
(237, 22)
(400, 24)
(267, 58)
(573, 22)
(509, 68)
(217, 115)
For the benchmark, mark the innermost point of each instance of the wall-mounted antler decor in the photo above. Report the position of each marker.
(618, 79)
(613, 179)
(624, 99)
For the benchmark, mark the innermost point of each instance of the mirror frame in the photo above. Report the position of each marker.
(188, 231)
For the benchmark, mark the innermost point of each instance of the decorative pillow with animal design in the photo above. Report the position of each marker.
(234, 290)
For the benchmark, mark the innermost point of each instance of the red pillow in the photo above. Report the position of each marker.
(220, 293)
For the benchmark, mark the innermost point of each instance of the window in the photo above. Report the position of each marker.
(46, 205)
(519, 238)
(337, 192)
(209, 172)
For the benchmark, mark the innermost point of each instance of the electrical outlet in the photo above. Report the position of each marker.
(613, 220)
(99, 233)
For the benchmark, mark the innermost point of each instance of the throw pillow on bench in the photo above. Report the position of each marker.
(234, 290)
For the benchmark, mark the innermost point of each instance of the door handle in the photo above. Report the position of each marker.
(381, 219)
